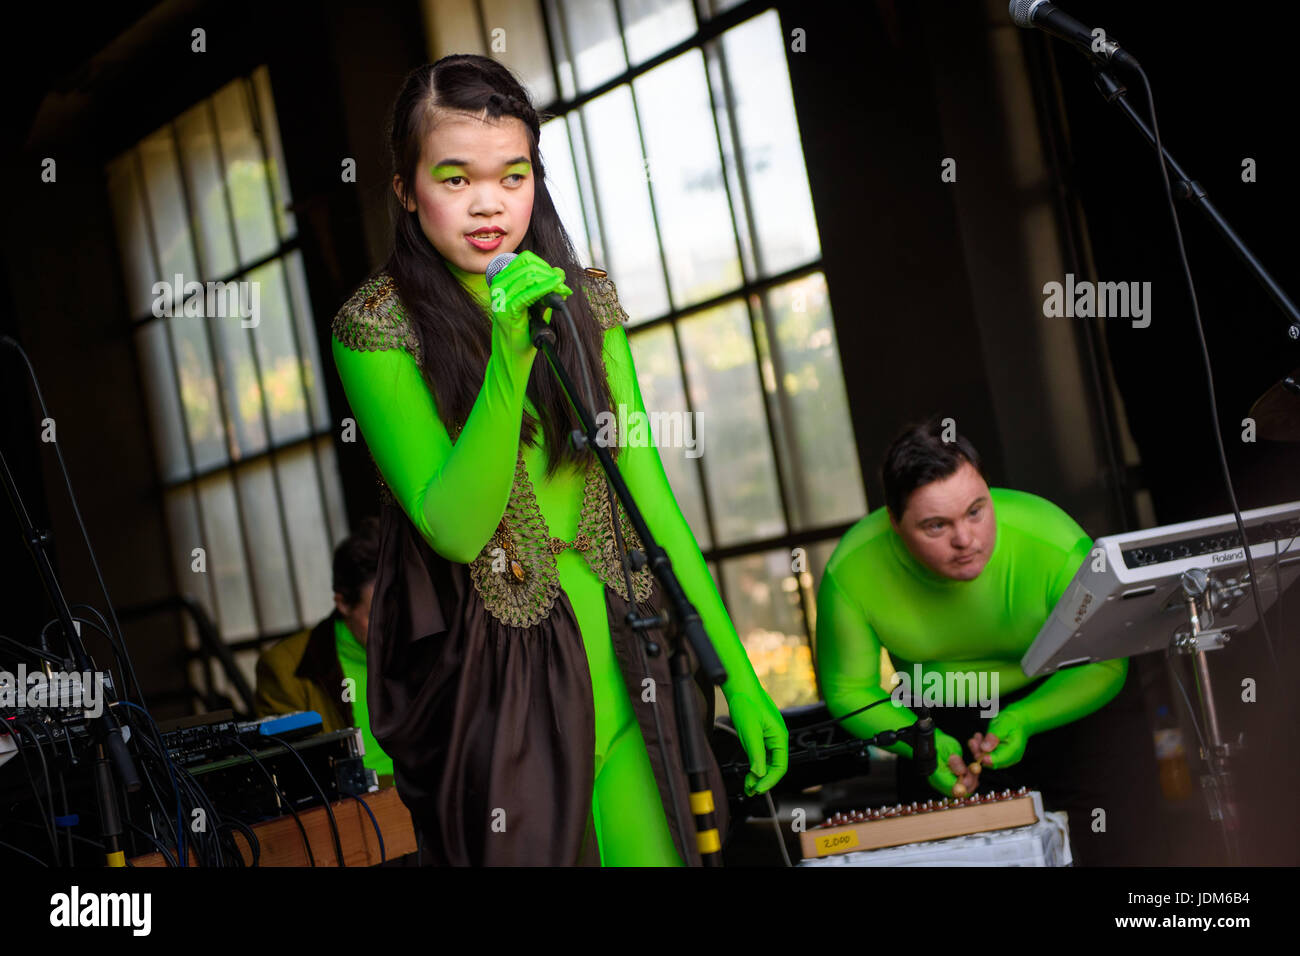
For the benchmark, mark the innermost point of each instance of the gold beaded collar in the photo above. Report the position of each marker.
(516, 573)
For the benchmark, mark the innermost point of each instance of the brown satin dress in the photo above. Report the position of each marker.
(491, 726)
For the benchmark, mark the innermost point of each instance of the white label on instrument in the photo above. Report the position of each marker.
(1077, 605)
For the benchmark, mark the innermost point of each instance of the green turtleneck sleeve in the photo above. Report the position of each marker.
(644, 473)
(454, 493)
(754, 715)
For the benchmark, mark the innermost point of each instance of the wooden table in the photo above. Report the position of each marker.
(282, 844)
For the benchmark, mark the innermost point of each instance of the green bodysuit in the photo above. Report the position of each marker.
(455, 495)
(874, 593)
(352, 660)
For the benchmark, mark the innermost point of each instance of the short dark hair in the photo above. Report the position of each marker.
(920, 455)
(355, 561)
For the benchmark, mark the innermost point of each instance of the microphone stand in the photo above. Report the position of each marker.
(1218, 783)
(1113, 91)
(684, 621)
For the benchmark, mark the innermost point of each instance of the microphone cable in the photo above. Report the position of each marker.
(1209, 371)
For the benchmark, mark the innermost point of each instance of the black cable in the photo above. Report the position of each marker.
(10, 727)
(145, 758)
(853, 713)
(199, 798)
(72, 757)
(72, 498)
(776, 824)
(113, 644)
(1191, 713)
(76, 836)
(34, 652)
(63, 792)
(170, 766)
(216, 820)
(54, 743)
(383, 854)
(187, 795)
(19, 723)
(283, 799)
(44, 643)
(199, 842)
(168, 810)
(325, 800)
(254, 844)
(1209, 371)
(147, 752)
(229, 848)
(123, 656)
(157, 844)
(35, 859)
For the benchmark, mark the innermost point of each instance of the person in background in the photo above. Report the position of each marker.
(324, 668)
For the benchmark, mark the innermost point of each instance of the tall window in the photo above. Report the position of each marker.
(224, 334)
(676, 163)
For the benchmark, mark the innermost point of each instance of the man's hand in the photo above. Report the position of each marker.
(951, 778)
(981, 749)
(1009, 735)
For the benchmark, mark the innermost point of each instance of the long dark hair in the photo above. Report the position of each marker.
(455, 341)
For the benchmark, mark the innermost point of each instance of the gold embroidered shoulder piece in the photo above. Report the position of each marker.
(374, 319)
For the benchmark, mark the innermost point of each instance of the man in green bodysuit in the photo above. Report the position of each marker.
(955, 579)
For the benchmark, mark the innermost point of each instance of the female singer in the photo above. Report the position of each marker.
(526, 721)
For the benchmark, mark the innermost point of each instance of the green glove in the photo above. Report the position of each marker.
(943, 779)
(1012, 731)
(763, 734)
(526, 280)
(1060, 699)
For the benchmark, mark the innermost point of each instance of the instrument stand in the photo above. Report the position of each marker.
(1218, 782)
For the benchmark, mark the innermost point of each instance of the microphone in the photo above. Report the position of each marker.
(1041, 15)
(924, 756)
(538, 328)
